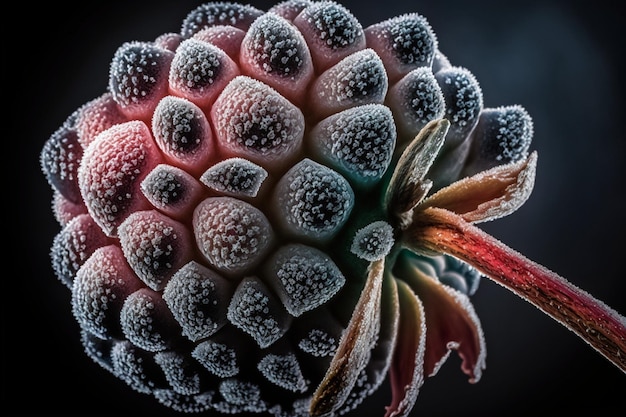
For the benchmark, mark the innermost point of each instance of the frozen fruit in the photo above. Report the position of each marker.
(272, 212)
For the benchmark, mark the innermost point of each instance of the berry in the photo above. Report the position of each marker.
(238, 209)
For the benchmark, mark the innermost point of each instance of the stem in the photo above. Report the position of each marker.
(439, 230)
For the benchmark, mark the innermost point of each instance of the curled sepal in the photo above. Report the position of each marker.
(451, 322)
(407, 369)
(355, 345)
(436, 229)
(407, 186)
(490, 194)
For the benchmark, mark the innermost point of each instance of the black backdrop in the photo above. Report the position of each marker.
(562, 60)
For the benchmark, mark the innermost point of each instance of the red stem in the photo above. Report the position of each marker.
(439, 230)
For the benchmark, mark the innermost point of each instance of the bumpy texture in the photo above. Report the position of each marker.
(220, 203)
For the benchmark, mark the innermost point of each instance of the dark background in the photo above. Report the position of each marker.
(563, 61)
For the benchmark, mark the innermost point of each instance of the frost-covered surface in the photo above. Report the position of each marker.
(220, 202)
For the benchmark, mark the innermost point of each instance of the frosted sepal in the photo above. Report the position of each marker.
(138, 78)
(181, 372)
(415, 100)
(358, 79)
(503, 135)
(111, 171)
(303, 277)
(219, 13)
(198, 299)
(313, 201)
(199, 72)
(274, 51)
(182, 132)
(373, 242)
(283, 371)
(404, 43)
(172, 191)
(147, 322)
(231, 234)
(358, 142)
(100, 289)
(155, 246)
(253, 121)
(256, 311)
(331, 32)
(80, 237)
(235, 177)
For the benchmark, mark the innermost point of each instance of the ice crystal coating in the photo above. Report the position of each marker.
(331, 32)
(415, 100)
(155, 246)
(232, 234)
(171, 190)
(374, 241)
(275, 52)
(284, 371)
(219, 13)
(180, 372)
(182, 132)
(80, 237)
(97, 116)
(358, 142)
(99, 350)
(100, 288)
(358, 79)
(313, 200)
(198, 299)
(218, 358)
(146, 321)
(227, 231)
(199, 71)
(464, 102)
(136, 367)
(253, 121)
(138, 77)
(255, 310)
(318, 343)
(502, 135)
(246, 395)
(404, 43)
(303, 277)
(111, 172)
(60, 158)
(235, 177)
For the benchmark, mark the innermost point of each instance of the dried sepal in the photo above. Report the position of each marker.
(603, 328)
(353, 352)
(407, 370)
(490, 194)
(451, 322)
(407, 186)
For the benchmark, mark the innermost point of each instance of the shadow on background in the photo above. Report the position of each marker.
(562, 61)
